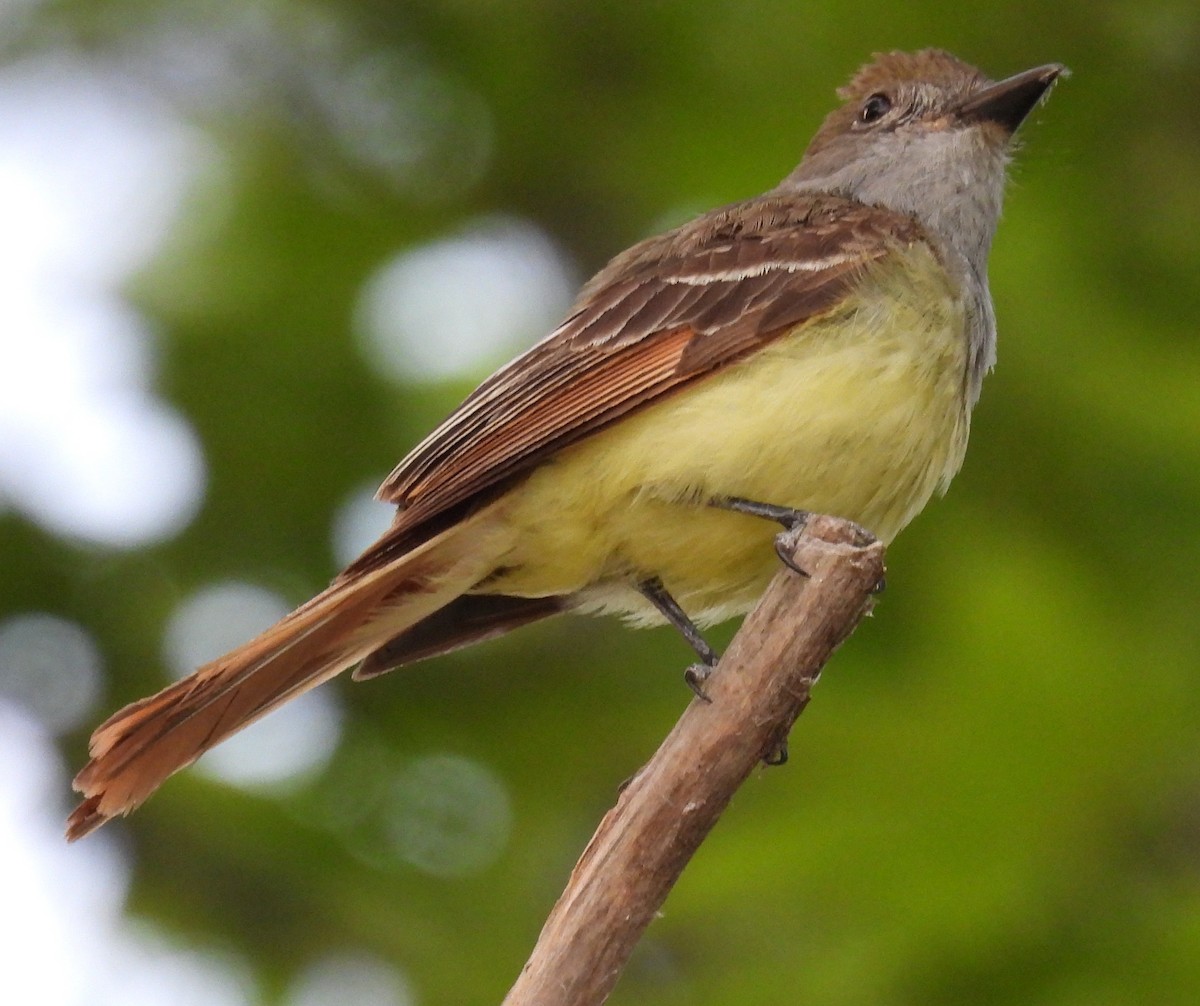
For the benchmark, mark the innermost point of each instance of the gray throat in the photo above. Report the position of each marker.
(952, 183)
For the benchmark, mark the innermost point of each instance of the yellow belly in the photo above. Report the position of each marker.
(861, 413)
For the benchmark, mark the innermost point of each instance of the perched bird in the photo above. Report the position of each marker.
(817, 348)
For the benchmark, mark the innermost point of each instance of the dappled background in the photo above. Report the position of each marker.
(251, 252)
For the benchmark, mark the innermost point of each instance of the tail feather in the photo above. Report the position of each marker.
(135, 750)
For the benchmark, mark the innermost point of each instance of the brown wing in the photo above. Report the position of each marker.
(662, 314)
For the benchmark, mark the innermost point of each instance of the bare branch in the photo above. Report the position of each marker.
(761, 685)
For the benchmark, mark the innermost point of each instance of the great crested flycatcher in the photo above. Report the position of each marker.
(817, 348)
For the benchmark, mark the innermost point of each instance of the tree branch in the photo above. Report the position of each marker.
(759, 688)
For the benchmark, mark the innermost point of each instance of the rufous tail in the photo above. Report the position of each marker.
(136, 749)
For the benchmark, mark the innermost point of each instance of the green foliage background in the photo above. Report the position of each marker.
(995, 796)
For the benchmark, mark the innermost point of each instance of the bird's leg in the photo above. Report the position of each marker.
(652, 590)
(789, 517)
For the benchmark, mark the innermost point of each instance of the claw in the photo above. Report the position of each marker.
(695, 677)
(777, 755)
(785, 555)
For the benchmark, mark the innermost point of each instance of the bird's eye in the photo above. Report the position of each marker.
(875, 108)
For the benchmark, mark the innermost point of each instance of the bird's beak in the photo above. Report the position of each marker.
(1008, 102)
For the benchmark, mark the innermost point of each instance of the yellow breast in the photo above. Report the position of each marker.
(860, 413)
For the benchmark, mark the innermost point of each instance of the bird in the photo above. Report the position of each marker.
(817, 348)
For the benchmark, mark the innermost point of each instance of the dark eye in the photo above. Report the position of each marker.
(875, 108)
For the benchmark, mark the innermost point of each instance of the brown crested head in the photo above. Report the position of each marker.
(901, 85)
(932, 66)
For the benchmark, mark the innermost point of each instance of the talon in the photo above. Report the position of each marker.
(630, 781)
(785, 556)
(777, 755)
(864, 536)
(696, 676)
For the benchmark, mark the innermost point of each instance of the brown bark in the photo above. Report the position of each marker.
(758, 689)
